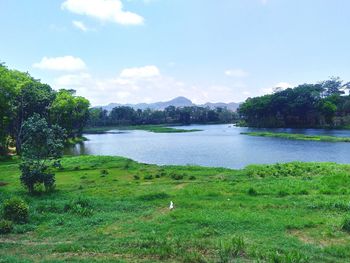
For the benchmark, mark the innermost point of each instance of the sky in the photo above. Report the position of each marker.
(131, 51)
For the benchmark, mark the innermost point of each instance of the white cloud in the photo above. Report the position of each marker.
(80, 25)
(264, 2)
(237, 73)
(278, 86)
(283, 85)
(104, 10)
(141, 72)
(66, 63)
(143, 84)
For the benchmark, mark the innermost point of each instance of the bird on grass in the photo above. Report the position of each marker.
(171, 207)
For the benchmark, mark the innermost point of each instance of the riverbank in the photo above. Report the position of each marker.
(302, 137)
(149, 128)
(282, 213)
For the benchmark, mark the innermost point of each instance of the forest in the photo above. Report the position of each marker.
(125, 115)
(320, 105)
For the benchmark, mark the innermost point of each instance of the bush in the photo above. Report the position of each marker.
(282, 193)
(34, 175)
(16, 210)
(252, 192)
(104, 172)
(346, 225)
(177, 176)
(6, 226)
(136, 177)
(192, 178)
(148, 177)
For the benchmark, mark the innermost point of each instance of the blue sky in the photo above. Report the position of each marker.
(151, 50)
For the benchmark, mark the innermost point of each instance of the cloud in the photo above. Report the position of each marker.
(104, 10)
(278, 86)
(66, 63)
(143, 84)
(264, 2)
(237, 73)
(80, 25)
(141, 72)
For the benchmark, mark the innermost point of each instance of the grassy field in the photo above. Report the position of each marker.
(150, 128)
(114, 209)
(302, 137)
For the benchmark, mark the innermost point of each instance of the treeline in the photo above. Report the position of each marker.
(125, 115)
(22, 97)
(322, 105)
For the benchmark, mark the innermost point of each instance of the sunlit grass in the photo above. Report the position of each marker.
(114, 209)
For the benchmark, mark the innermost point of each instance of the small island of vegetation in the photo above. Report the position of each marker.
(295, 136)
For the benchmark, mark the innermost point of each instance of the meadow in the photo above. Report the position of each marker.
(114, 209)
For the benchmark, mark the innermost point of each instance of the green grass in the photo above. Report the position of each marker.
(302, 137)
(75, 140)
(150, 128)
(114, 209)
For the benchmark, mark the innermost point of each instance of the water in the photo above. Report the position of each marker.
(216, 145)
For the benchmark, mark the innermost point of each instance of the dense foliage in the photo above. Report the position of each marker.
(42, 146)
(22, 96)
(16, 210)
(309, 105)
(125, 115)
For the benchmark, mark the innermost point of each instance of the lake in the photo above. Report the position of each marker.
(217, 145)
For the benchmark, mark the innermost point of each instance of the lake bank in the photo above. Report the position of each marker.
(261, 212)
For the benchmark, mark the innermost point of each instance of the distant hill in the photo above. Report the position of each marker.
(177, 102)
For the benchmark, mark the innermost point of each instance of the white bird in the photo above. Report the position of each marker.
(171, 207)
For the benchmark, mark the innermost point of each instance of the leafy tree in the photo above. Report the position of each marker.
(70, 112)
(42, 147)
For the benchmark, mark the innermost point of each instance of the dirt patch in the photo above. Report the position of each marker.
(318, 239)
(3, 183)
(180, 186)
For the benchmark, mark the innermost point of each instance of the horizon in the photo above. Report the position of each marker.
(133, 51)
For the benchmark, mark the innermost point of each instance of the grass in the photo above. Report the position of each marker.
(149, 128)
(75, 140)
(114, 209)
(302, 137)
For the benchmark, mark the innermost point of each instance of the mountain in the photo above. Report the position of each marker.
(177, 102)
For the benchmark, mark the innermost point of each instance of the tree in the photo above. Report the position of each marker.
(42, 147)
(70, 112)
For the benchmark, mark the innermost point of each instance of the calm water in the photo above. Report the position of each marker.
(216, 145)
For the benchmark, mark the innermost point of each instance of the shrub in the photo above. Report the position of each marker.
(6, 226)
(192, 178)
(16, 210)
(252, 192)
(177, 176)
(104, 172)
(346, 225)
(148, 177)
(282, 193)
(34, 174)
(136, 177)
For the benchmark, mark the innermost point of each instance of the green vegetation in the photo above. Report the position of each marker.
(150, 128)
(126, 116)
(22, 96)
(113, 209)
(309, 105)
(295, 136)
